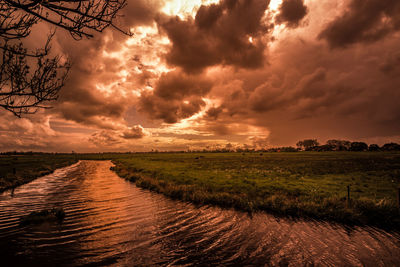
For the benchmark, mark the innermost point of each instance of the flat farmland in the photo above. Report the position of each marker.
(300, 184)
(16, 170)
(306, 184)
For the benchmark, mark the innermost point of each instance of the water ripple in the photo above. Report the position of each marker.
(110, 221)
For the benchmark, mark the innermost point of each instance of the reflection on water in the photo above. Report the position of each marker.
(110, 221)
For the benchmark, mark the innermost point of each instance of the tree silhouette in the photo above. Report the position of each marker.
(373, 147)
(358, 146)
(391, 147)
(29, 79)
(339, 145)
(307, 144)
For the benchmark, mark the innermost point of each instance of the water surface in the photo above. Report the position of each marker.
(110, 221)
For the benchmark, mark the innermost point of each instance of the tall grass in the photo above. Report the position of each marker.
(302, 184)
(307, 184)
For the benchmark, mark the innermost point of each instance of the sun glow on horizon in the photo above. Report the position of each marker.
(147, 59)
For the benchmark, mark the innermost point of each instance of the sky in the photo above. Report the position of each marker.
(229, 73)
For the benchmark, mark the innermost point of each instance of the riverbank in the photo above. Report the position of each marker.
(311, 185)
(16, 170)
(303, 184)
(111, 222)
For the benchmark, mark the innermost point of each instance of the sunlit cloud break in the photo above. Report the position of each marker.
(204, 73)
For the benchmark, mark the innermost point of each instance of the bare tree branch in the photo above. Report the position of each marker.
(29, 79)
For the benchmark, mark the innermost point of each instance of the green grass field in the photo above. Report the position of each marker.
(16, 170)
(301, 184)
(310, 184)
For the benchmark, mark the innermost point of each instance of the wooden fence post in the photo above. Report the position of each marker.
(398, 198)
(348, 196)
(13, 164)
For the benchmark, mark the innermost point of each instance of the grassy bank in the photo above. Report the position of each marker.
(308, 184)
(16, 170)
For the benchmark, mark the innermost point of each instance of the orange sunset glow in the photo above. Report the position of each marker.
(199, 133)
(206, 74)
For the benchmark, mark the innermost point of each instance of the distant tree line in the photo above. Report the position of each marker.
(344, 145)
(309, 145)
(303, 145)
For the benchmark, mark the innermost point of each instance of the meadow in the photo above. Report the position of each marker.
(302, 184)
(16, 170)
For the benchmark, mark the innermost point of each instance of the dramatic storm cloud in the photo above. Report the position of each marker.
(218, 35)
(291, 12)
(176, 96)
(206, 74)
(363, 21)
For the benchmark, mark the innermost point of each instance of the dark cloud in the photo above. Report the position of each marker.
(291, 12)
(178, 85)
(33, 133)
(139, 12)
(214, 112)
(305, 91)
(135, 132)
(176, 96)
(219, 34)
(135, 13)
(80, 100)
(104, 138)
(392, 65)
(309, 90)
(364, 21)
